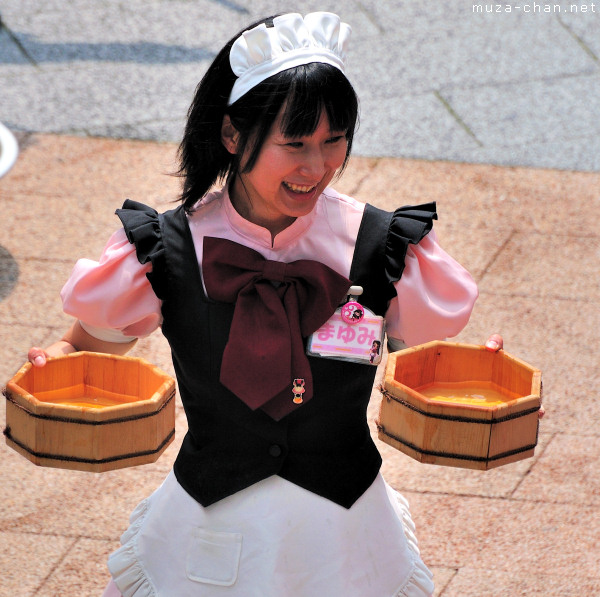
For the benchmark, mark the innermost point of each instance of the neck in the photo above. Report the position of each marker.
(242, 203)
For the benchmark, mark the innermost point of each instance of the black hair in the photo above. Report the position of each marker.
(305, 91)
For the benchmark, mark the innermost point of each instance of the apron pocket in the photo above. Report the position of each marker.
(214, 557)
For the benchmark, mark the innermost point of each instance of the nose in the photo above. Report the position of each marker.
(314, 164)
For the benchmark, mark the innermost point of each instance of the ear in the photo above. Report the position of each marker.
(229, 135)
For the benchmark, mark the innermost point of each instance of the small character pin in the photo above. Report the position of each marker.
(298, 390)
(352, 311)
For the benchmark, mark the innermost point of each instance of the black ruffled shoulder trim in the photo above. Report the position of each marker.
(381, 247)
(409, 225)
(142, 227)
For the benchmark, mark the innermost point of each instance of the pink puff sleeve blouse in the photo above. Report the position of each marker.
(114, 301)
(435, 295)
(112, 297)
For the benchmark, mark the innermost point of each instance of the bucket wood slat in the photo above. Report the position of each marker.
(459, 433)
(132, 424)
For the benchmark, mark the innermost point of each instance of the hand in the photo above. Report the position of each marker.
(74, 339)
(37, 356)
(494, 344)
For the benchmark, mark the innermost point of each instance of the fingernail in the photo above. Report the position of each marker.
(492, 345)
(39, 361)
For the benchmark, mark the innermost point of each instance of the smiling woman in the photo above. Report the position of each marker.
(256, 260)
(9, 149)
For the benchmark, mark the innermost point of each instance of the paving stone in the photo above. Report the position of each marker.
(441, 577)
(463, 227)
(12, 59)
(18, 339)
(582, 20)
(87, 555)
(113, 30)
(99, 97)
(565, 472)
(27, 560)
(94, 505)
(42, 308)
(410, 127)
(510, 537)
(573, 274)
(88, 176)
(580, 153)
(471, 581)
(447, 46)
(539, 111)
(487, 198)
(9, 273)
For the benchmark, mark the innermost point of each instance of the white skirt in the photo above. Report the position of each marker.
(273, 539)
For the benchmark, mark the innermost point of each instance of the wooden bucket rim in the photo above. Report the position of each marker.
(39, 408)
(466, 347)
(432, 406)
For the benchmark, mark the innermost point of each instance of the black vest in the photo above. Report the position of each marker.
(324, 446)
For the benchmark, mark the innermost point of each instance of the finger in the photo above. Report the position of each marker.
(37, 356)
(541, 412)
(494, 343)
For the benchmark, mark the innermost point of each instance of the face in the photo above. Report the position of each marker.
(288, 176)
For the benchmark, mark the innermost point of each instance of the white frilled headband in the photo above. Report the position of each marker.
(262, 52)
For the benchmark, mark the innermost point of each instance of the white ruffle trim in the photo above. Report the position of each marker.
(123, 563)
(420, 582)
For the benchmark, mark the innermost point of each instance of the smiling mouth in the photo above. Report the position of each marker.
(297, 188)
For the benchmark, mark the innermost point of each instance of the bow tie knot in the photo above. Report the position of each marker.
(274, 271)
(265, 350)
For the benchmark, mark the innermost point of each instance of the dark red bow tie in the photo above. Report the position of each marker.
(276, 305)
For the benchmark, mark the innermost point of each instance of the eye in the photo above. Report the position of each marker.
(335, 139)
(295, 144)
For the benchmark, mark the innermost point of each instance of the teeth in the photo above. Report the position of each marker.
(299, 188)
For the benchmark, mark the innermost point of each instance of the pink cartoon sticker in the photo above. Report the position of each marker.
(352, 312)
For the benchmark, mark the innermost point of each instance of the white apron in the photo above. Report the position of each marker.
(273, 539)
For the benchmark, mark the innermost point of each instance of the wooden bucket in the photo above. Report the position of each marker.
(460, 405)
(91, 412)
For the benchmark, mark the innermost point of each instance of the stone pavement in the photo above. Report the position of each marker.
(77, 78)
(437, 80)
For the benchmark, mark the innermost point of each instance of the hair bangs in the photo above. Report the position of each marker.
(313, 89)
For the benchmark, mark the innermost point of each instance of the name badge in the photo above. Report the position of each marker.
(353, 333)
